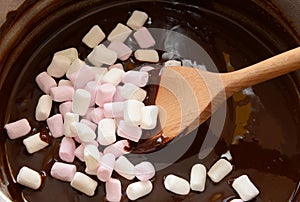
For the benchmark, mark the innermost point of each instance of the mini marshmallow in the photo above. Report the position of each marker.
(65, 107)
(93, 37)
(122, 50)
(138, 189)
(92, 157)
(79, 152)
(124, 168)
(171, 63)
(95, 114)
(74, 67)
(82, 76)
(99, 72)
(113, 109)
(113, 76)
(131, 91)
(177, 185)
(146, 55)
(128, 131)
(18, 128)
(219, 170)
(117, 96)
(43, 108)
(245, 188)
(64, 82)
(105, 94)
(29, 178)
(139, 79)
(69, 119)
(81, 101)
(149, 117)
(67, 149)
(85, 133)
(106, 131)
(117, 66)
(227, 155)
(106, 167)
(91, 87)
(144, 38)
(144, 171)
(88, 123)
(63, 171)
(198, 177)
(58, 66)
(133, 112)
(119, 33)
(70, 53)
(45, 82)
(102, 55)
(62, 93)
(34, 143)
(236, 200)
(118, 148)
(84, 184)
(113, 190)
(137, 19)
(56, 125)
(146, 68)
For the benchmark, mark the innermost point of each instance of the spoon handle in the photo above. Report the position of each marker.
(268, 69)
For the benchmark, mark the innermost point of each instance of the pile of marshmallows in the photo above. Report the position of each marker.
(109, 100)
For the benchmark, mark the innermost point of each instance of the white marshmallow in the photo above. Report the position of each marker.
(146, 68)
(74, 67)
(93, 37)
(58, 66)
(99, 72)
(138, 189)
(119, 33)
(81, 101)
(84, 75)
(137, 78)
(137, 19)
(34, 143)
(65, 82)
(219, 170)
(198, 177)
(90, 124)
(171, 63)
(113, 76)
(131, 91)
(70, 53)
(144, 171)
(84, 183)
(84, 132)
(92, 157)
(236, 200)
(149, 117)
(124, 168)
(245, 188)
(177, 185)
(102, 55)
(133, 112)
(106, 131)
(129, 131)
(43, 108)
(146, 55)
(29, 178)
(69, 118)
(227, 155)
(113, 109)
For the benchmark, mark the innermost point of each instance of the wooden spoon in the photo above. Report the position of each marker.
(187, 96)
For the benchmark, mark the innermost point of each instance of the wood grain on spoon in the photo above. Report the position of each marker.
(187, 96)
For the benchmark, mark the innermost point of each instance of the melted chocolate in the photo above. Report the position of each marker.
(262, 126)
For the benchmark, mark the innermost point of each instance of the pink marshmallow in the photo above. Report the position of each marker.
(122, 50)
(144, 38)
(91, 87)
(81, 77)
(90, 124)
(56, 125)
(106, 167)
(118, 148)
(62, 93)
(129, 132)
(63, 171)
(67, 149)
(146, 68)
(45, 82)
(65, 107)
(139, 79)
(113, 190)
(79, 152)
(118, 97)
(117, 65)
(18, 128)
(105, 94)
(144, 171)
(95, 114)
(113, 109)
